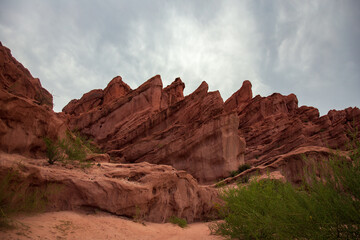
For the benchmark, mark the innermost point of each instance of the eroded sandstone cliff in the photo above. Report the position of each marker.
(156, 125)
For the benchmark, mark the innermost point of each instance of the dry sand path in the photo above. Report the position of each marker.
(75, 225)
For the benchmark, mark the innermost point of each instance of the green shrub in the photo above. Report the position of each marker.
(178, 221)
(220, 184)
(233, 173)
(243, 167)
(244, 179)
(323, 208)
(75, 148)
(52, 151)
(17, 195)
(87, 142)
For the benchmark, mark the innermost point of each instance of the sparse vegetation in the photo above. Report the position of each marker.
(244, 179)
(322, 208)
(178, 221)
(73, 146)
(87, 142)
(233, 173)
(139, 216)
(17, 195)
(53, 151)
(243, 167)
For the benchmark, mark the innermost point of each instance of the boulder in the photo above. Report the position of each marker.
(142, 190)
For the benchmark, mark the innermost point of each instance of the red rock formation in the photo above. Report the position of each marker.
(23, 125)
(240, 98)
(160, 126)
(26, 116)
(172, 93)
(150, 192)
(16, 79)
(114, 90)
(275, 125)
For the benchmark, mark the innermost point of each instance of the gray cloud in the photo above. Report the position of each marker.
(309, 48)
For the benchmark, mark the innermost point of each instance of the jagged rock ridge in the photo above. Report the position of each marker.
(161, 126)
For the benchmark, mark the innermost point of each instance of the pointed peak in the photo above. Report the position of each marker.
(154, 81)
(240, 97)
(204, 87)
(176, 84)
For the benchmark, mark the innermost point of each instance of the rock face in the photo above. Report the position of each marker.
(142, 190)
(156, 125)
(240, 98)
(17, 80)
(98, 97)
(115, 115)
(26, 115)
(275, 125)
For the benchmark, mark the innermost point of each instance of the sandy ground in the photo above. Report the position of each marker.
(77, 225)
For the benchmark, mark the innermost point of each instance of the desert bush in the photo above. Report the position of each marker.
(178, 221)
(87, 142)
(233, 173)
(18, 195)
(323, 208)
(52, 151)
(74, 147)
(243, 167)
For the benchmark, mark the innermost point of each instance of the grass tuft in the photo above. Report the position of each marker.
(178, 221)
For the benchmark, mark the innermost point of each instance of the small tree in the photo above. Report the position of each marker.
(52, 151)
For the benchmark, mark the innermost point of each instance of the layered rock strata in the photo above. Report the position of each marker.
(273, 126)
(141, 191)
(26, 115)
(156, 125)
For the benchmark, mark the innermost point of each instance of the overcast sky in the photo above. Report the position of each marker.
(310, 48)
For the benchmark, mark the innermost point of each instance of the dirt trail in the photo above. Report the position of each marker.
(75, 225)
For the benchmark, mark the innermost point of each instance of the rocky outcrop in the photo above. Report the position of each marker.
(147, 191)
(26, 115)
(160, 126)
(142, 190)
(23, 125)
(294, 166)
(240, 98)
(273, 126)
(114, 90)
(17, 80)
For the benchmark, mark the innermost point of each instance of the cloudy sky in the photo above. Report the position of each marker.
(310, 48)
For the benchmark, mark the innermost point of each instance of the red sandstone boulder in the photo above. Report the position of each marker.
(17, 80)
(142, 190)
(160, 126)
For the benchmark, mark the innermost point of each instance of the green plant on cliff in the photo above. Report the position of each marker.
(322, 208)
(73, 146)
